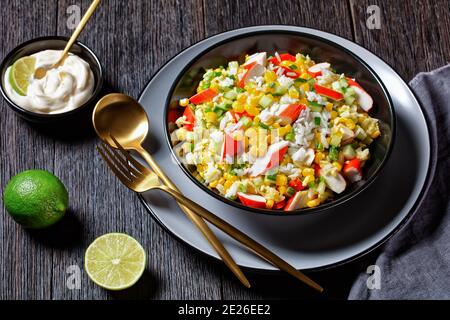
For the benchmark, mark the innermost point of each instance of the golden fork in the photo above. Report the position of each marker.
(140, 179)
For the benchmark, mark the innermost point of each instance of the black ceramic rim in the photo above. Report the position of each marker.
(45, 116)
(430, 173)
(322, 207)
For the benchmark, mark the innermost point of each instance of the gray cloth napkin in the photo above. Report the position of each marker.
(415, 264)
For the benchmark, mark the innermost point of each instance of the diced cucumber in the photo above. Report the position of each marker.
(343, 83)
(243, 188)
(368, 140)
(333, 153)
(246, 121)
(336, 86)
(265, 101)
(290, 191)
(270, 178)
(335, 140)
(280, 90)
(230, 95)
(290, 136)
(315, 106)
(300, 80)
(349, 152)
(257, 181)
(360, 133)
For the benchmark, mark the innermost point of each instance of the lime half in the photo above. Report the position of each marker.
(115, 261)
(21, 72)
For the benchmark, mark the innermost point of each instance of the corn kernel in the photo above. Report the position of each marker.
(308, 172)
(333, 114)
(254, 100)
(329, 107)
(252, 110)
(221, 181)
(337, 165)
(318, 157)
(214, 86)
(256, 120)
(213, 184)
(269, 204)
(281, 180)
(276, 125)
(313, 203)
(293, 93)
(282, 190)
(304, 101)
(318, 136)
(270, 76)
(184, 102)
(307, 180)
(375, 134)
(241, 97)
(305, 87)
(348, 123)
(227, 184)
(210, 117)
(238, 107)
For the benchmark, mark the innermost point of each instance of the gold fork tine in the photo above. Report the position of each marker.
(124, 179)
(132, 160)
(121, 163)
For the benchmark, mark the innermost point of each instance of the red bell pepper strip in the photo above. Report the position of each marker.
(296, 184)
(330, 93)
(279, 205)
(283, 57)
(190, 119)
(203, 96)
(174, 114)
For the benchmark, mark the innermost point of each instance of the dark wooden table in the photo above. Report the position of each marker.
(133, 39)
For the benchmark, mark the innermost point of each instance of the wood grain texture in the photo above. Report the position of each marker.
(132, 40)
(331, 16)
(414, 35)
(26, 266)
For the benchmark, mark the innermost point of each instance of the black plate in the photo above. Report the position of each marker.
(320, 50)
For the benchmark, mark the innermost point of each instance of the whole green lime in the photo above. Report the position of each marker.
(35, 198)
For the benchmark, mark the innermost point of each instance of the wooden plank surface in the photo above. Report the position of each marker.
(132, 40)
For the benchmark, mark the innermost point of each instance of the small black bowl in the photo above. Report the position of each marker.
(320, 50)
(52, 43)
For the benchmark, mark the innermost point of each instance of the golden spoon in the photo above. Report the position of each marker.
(40, 73)
(124, 118)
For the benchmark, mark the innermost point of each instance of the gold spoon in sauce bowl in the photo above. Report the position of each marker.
(122, 117)
(40, 73)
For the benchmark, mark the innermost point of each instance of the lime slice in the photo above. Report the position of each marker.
(21, 72)
(115, 261)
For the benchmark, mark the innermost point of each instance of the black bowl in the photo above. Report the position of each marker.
(55, 43)
(320, 50)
